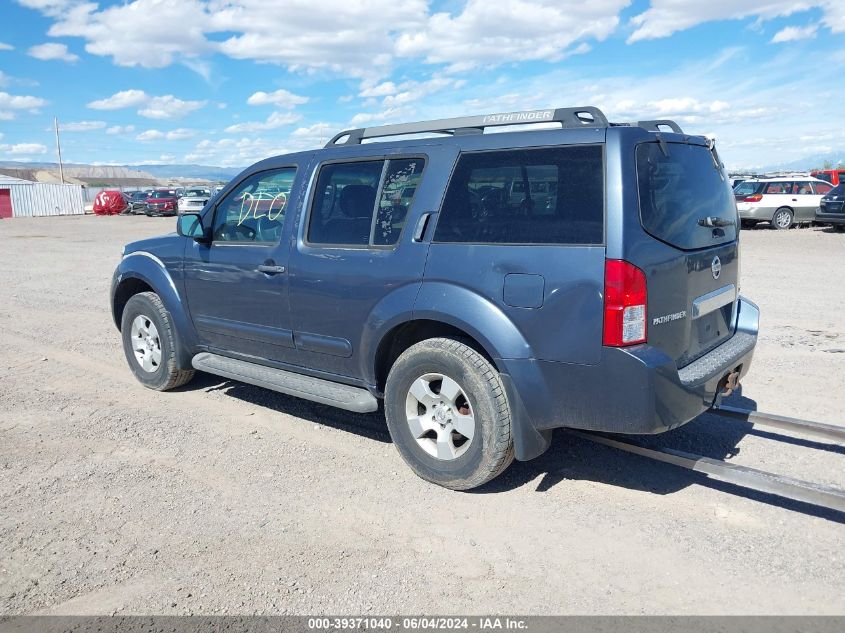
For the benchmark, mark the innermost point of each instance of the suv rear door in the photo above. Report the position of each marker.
(356, 247)
(689, 248)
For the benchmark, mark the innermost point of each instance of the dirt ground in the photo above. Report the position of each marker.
(224, 498)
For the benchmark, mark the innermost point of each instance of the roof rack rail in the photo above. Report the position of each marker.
(656, 124)
(585, 116)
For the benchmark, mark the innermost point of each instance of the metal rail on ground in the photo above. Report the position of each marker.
(762, 481)
(805, 427)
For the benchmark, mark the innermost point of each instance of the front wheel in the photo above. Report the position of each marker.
(782, 219)
(150, 344)
(448, 414)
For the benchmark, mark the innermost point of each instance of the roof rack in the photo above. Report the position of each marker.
(579, 117)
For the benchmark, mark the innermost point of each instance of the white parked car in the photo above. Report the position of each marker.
(193, 200)
(781, 201)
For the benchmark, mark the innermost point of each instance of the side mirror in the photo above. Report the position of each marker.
(190, 225)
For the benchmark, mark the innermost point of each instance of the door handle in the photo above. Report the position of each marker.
(421, 226)
(268, 269)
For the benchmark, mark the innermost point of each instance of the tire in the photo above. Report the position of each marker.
(782, 219)
(146, 325)
(439, 443)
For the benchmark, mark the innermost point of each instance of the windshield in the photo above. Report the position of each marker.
(838, 190)
(679, 186)
(162, 194)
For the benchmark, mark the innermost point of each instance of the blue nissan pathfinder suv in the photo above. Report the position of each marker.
(487, 287)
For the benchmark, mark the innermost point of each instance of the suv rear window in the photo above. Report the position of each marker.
(680, 187)
(533, 196)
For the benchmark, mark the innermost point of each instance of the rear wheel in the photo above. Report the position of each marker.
(782, 219)
(149, 343)
(448, 414)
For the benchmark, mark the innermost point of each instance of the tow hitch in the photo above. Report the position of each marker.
(731, 382)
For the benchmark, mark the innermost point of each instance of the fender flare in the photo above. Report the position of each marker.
(479, 318)
(152, 271)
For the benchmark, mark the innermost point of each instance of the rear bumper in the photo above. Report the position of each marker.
(631, 390)
(755, 212)
(830, 218)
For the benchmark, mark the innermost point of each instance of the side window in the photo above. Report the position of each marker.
(349, 209)
(397, 194)
(803, 188)
(777, 187)
(822, 187)
(254, 211)
(533, 196)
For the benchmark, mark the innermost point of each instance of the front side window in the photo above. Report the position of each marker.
(254, 211)
(364, 203)
(527, 196)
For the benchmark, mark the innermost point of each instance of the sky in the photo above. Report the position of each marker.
(229, 82)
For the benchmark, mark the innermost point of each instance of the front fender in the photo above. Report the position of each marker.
(151, 270)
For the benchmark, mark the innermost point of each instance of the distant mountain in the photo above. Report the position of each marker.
(108, 173)
(203, 172)
(802, 164)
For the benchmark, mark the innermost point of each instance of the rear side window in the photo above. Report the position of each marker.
(680, 186)
(778, 187)
(363, 203)
(533, 196)
(822, 187)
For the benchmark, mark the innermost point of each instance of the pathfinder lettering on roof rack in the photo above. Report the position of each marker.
(514, 117)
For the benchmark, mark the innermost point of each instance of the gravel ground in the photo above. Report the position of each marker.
(224, 498)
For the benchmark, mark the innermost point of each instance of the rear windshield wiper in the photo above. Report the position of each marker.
(714, 222)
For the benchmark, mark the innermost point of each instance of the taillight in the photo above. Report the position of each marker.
(625, 299)
(753, 198)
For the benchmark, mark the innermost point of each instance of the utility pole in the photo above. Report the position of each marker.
(59, 150)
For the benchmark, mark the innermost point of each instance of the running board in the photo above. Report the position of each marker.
(315, 389)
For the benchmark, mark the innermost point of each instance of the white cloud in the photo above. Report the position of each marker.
(120, 129)
(163, 107)
(148, 33)
(280, 98)
(20, 102)
(119, 100)
(665, 17)
(178, 134)
(168, 107)
(235, 152)
(6, 115)
(82, 126)
(793, 33)
(52, 50)
(493, 33)
(354, 38)
(23, 149)
(274, 121)
(6, 47)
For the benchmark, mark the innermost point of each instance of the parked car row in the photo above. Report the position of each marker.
(782, 201)
(153, 202)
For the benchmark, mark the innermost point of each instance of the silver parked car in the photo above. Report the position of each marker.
(783, 202)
